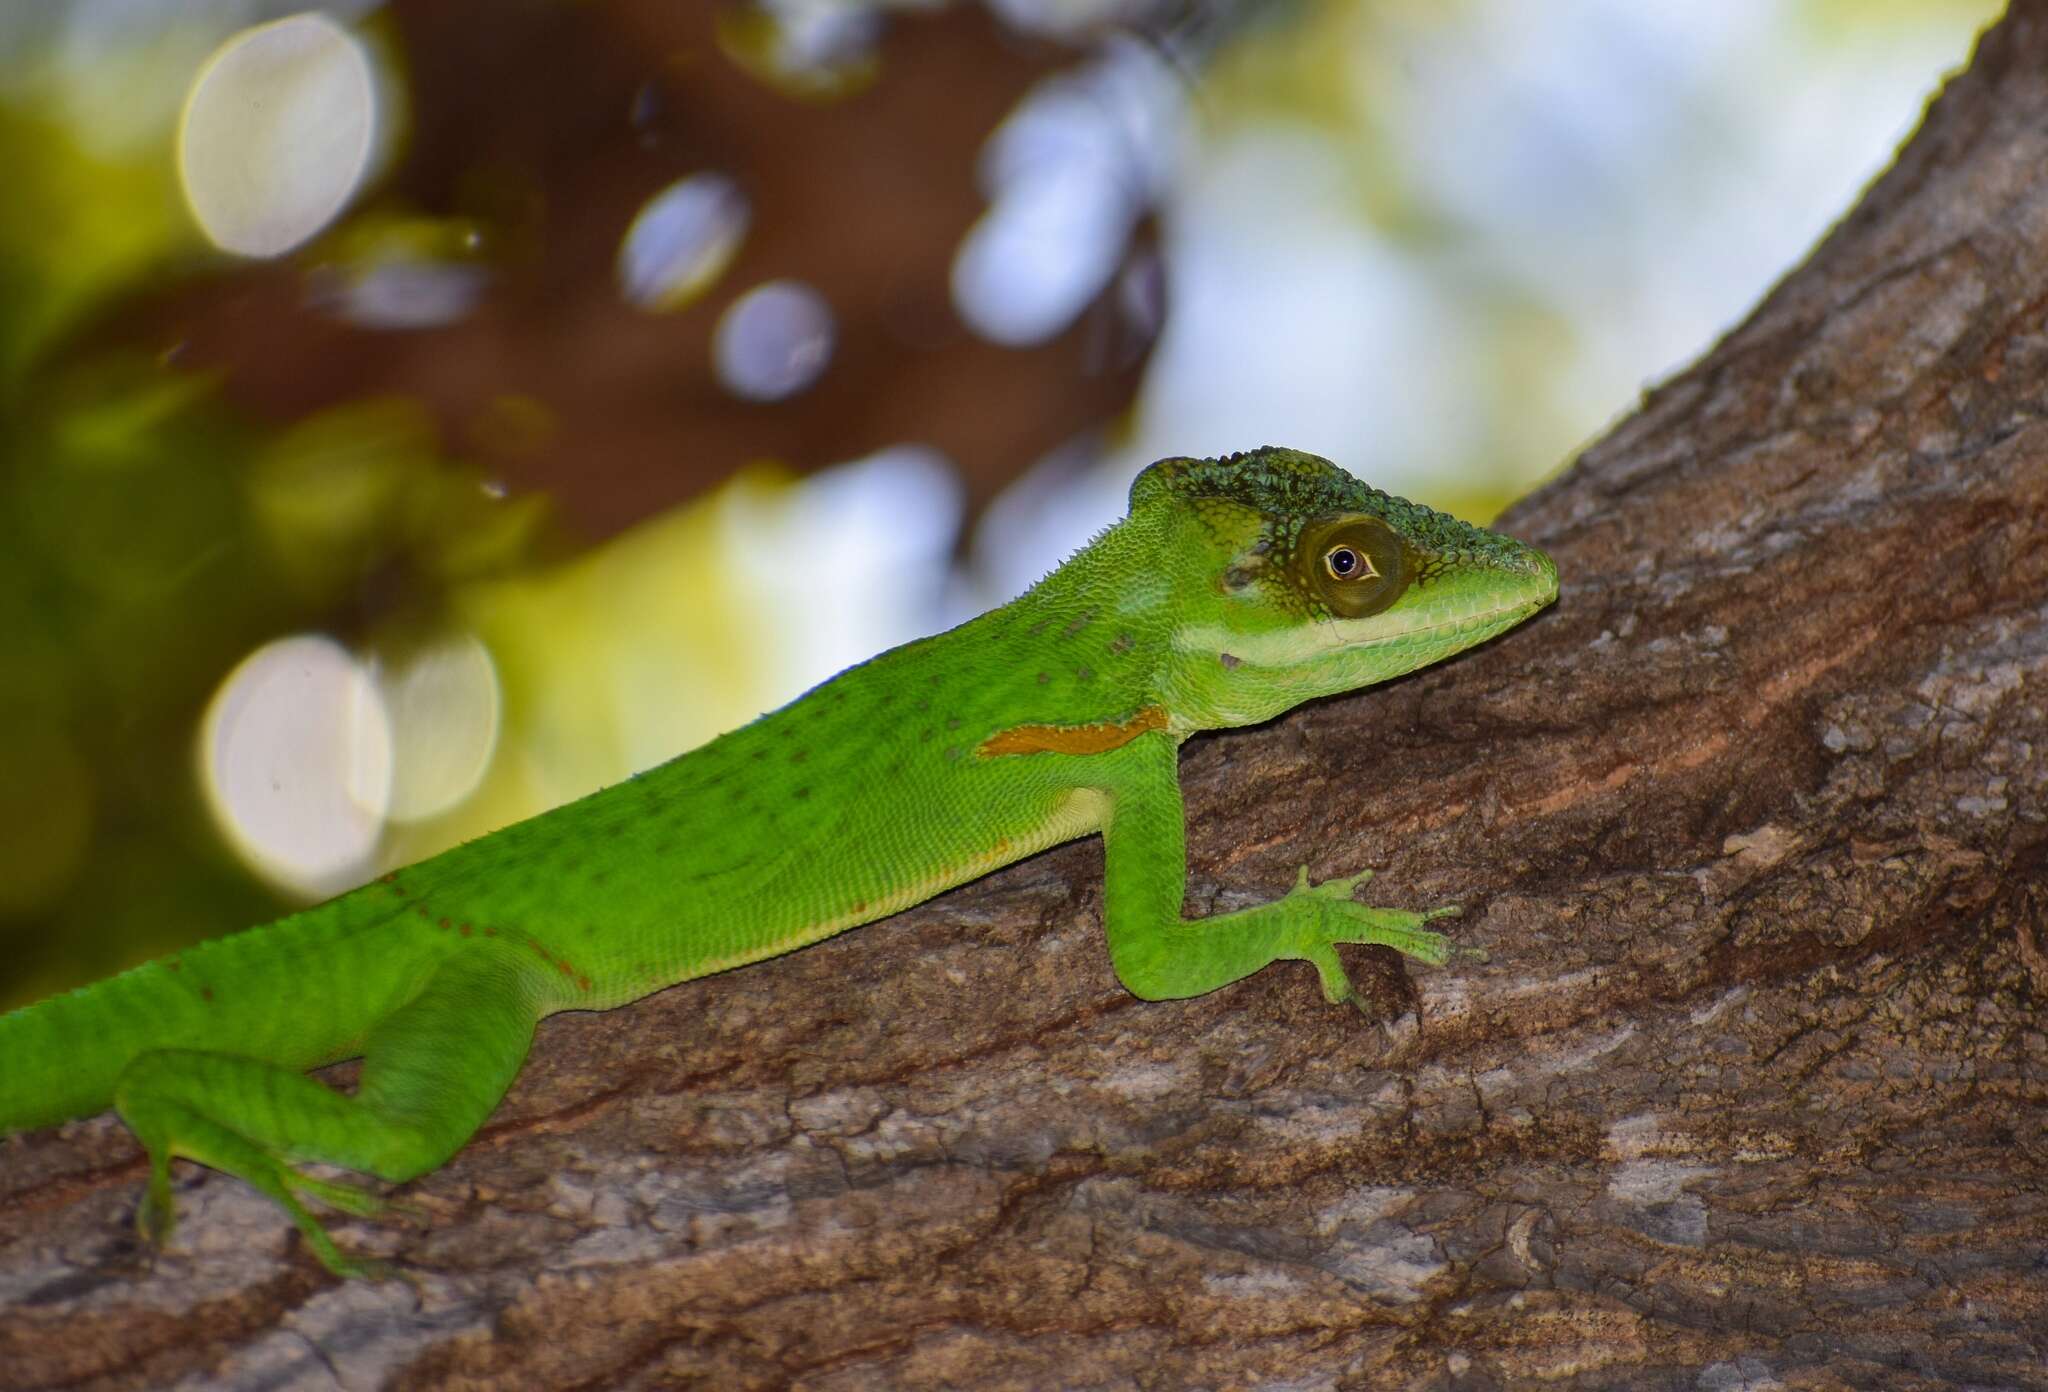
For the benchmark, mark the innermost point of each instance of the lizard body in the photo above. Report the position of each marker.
(1235, 589)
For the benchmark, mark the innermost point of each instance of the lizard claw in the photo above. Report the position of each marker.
(1340, 888)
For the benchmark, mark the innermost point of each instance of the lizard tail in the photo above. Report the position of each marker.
(59, 1057)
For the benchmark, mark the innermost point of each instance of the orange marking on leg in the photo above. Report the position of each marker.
(1098, 738)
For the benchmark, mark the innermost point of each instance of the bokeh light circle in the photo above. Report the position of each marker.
(296, 758)
(278, 132)
(774, 341)
(682, 241)
(444, 701)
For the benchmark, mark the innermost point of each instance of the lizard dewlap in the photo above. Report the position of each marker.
(1234, 589)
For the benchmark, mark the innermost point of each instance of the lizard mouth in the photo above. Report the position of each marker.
(1479, 619)
(1335, 637)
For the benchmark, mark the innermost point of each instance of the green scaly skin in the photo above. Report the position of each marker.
(1216, 602)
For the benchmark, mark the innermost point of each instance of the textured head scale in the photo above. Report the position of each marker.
(1271, 479)
(1290, 486)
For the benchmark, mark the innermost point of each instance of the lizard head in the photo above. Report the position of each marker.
(1295, 580)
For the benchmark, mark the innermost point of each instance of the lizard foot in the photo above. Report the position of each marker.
(1341, 920)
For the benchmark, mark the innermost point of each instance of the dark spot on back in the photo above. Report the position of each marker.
(1230, 660)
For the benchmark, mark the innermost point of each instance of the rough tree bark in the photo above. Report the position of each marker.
(1755, 826)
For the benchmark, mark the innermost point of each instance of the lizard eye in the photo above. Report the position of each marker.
(1357, 565)
(1343, 563)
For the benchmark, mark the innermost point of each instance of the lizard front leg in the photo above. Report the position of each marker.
(1159, 955)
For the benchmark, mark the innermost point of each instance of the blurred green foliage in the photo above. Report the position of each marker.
(149, 538)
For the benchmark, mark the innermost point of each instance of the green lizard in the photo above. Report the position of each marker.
(1235, 589)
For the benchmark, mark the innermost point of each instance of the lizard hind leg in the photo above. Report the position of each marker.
(169, 1128)
(432, 1071)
